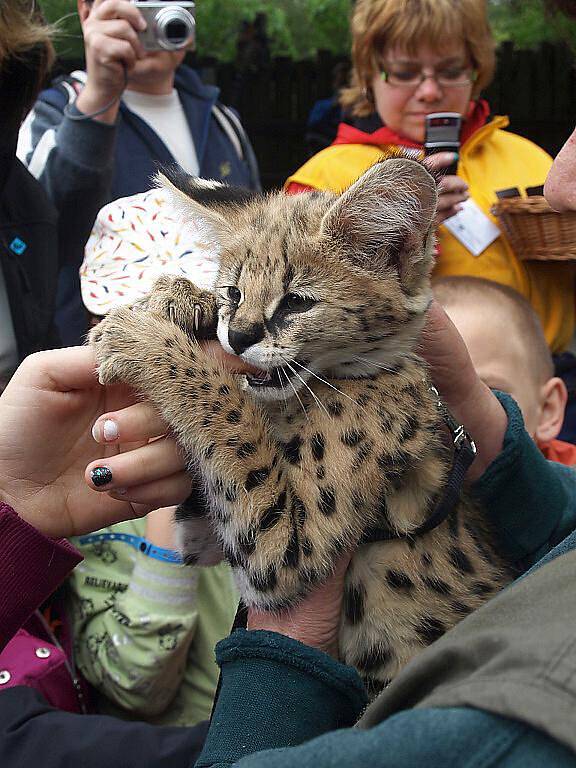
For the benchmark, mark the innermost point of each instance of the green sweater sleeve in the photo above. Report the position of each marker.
(531, 502)
(277, 692)
(134, 620)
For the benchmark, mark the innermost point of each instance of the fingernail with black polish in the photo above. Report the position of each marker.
(100, 476)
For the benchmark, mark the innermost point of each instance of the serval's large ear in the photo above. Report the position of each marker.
(384, 220)
(215, 204)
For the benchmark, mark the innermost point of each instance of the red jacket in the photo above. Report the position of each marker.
(31, 568)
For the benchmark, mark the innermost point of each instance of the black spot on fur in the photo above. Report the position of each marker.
(208, 452)
(374, 658)
(233, 417)
(352, 437)
(461, 608)
(274, 512)
(399, 580)
(264, 581)
(362, 454)
(409, 429)
(335, 408)
(233, 558)
(231, 493)
(292, 554)
(426, 560)
(172, 372)
(299, 511)
(205, 387)
(291, 450)
(437, 585)
(453, 522)
(189, 372)
(481, 588)
(320, 472)
(245, 449)
(317, 445)
(247, 542)
(430, 629)
(224, 389)
(460, 561)
(327, 501)
(363, 400)
(354, 599)
(216, 407)
(256, 477)
(307, 548)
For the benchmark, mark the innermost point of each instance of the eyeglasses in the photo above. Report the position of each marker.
(449, 77)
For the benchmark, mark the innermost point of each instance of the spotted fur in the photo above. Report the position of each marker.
(328, 295)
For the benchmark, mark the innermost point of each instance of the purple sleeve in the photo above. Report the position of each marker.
(32, 566)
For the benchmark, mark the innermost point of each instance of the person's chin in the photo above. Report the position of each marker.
(413, 128)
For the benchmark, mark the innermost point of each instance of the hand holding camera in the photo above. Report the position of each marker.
(119, 33)
(441, 148)
(112, 45)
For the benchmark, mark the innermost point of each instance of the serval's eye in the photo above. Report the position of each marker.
(234, 294)
(294, 302)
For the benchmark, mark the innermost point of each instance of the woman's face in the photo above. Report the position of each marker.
(403, 108)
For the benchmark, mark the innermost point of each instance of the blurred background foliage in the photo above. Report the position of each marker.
(299, 28)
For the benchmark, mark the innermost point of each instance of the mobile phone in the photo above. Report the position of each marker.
(443, 135)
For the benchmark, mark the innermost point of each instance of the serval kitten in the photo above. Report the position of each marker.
(326, 295)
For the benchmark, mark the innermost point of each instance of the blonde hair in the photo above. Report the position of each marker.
(378, 25)
(522, 320)
(26, 52)
(22, 28)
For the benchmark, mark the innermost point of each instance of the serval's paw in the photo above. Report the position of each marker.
(124, 343)
(181, 302)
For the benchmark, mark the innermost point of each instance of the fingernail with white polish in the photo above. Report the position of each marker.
(110, 430)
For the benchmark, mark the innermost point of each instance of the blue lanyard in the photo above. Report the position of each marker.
(136, 542)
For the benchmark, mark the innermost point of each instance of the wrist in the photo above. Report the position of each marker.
(316, 632)
(486, 421)
(92, 99)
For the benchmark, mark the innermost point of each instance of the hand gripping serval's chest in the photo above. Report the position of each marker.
(326, 295)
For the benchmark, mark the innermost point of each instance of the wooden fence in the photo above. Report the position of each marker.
(535, 88)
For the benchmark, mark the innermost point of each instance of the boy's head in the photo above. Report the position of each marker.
(508, 349)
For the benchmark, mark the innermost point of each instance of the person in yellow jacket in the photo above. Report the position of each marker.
(413, 59)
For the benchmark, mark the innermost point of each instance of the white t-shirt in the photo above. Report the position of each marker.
(165, 115)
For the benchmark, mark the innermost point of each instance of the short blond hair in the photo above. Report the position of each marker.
(378, 25)
(523, 322)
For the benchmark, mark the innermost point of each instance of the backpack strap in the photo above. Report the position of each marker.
(228, 121)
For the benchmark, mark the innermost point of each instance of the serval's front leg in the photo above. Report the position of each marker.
(265, 509)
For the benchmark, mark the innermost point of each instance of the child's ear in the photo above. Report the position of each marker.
(554, 397)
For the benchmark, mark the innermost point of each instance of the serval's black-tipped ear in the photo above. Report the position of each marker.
(385, 218)
(214, 203)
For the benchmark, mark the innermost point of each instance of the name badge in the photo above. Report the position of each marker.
(472, 228)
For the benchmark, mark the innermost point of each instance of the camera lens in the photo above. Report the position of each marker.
(176, 32)
(174, 28)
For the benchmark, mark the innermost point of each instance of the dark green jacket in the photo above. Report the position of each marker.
(497, 690)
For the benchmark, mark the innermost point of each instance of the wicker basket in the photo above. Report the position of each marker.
(535, 231)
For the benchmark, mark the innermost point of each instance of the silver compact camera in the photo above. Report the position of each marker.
(170, 25)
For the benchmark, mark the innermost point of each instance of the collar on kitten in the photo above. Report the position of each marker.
(464, 455)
